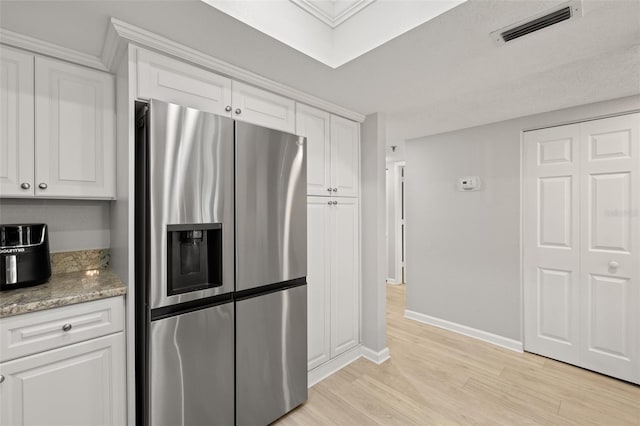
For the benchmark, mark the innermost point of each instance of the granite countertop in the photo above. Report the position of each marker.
(61, 290)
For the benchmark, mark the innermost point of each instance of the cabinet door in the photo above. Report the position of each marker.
(81, 384)
(173, 81)
(345, 157)
(314, 125)
(75, 141)
(345, 272)
(263, 108)
(318, 282)
(16, 123)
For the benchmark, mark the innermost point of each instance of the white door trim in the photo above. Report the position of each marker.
(397, 205)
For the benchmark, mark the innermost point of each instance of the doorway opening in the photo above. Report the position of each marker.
(396, 223)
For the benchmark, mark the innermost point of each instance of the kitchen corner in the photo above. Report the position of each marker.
(78, 276)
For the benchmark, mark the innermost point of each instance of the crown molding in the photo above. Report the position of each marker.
(331, 20)
(42, 47)
(121, 32)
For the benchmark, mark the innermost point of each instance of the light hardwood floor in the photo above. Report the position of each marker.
(438, 377)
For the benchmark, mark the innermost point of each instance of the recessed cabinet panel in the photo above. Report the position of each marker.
(16, 123)
(345, 312)
(81, 384)
(263, 108)
(169, 80)
(318, 282)
(345, 156)
(75, 142)
(314, 124)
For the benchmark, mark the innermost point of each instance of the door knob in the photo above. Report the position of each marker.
(238, 111)
(43, 186)
(25, 185)
(614, 265)
(227, 108)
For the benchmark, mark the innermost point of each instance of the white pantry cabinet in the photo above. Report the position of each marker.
(333, 152)
(333, 278)
(16, 122)
(71, 383)
(166, 79)
(75, 131)
(58, 122)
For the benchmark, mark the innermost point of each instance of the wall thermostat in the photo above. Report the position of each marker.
(469, 183)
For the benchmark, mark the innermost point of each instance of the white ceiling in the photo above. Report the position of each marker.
(333, 32)
(443, 75)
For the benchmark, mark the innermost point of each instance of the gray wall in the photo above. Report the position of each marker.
(463, 249)
(73, 224)
(372, 198)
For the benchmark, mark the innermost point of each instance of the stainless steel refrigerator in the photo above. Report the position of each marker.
(271, 269)
(220, 230)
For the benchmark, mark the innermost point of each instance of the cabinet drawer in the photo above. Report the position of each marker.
(35, 332)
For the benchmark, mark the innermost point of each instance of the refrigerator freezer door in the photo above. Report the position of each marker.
(191, 368)
(271, 355)
(271, 189)
(189, 181)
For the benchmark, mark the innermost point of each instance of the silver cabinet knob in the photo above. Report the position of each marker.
(66, 327)
(335, 189)
(238, 111)
(227, 108)
(1, 378)
(43, 186)
(335, 202)
(25, 185)
(614, 265)
(329, 202)
(329, 189)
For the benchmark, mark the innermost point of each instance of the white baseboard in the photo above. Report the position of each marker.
(328, 368)
(376, 357)
(338, 363)
(505, 342)
(393, 281)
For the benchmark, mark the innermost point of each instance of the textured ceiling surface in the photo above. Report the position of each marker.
(444, 75)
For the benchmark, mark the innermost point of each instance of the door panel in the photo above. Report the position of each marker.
(271, 355)
(314, 125)
(610, 231)
(318, 284)
(345, 148)
(345, 287)
(271, 206)
(191, 368)
(551, 242)
(581, 271)
(75, 125)
(16, 123)
(263, 108)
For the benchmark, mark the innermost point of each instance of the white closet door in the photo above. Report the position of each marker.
(610, 234)
(551, 242)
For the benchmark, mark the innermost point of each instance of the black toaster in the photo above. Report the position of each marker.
(24, 255)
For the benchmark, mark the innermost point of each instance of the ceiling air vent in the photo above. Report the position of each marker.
(535, 23)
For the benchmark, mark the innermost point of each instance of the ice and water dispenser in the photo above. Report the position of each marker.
(194, 257)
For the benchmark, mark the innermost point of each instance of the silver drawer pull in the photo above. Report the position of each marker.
(43, 186)
(66, 327)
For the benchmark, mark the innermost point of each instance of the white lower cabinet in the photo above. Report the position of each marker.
(333, 278)
(78, 384)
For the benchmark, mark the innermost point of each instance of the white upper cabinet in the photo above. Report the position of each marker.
(263, 108)
(16, 123)
(173, 81)
(345, 156)
(314, 124)
(75, 131)
(170, 80)
(333, 152)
